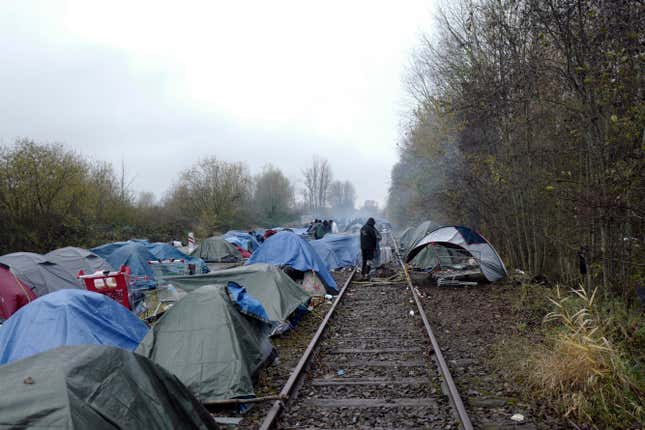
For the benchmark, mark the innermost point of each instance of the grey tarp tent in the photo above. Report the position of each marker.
(405, 238)
(95, 387)
(417, 234)
(74, 259)
(483, 252)
(40, 274)
(217, 250)
(279, 294)
(212, 347)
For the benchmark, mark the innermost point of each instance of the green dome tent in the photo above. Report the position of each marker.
(209, 344)
(96, 387)
(279, 294)
(217, 250)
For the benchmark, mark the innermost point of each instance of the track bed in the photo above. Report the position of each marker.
(373, 368)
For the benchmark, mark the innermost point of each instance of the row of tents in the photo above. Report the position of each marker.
(208, 346)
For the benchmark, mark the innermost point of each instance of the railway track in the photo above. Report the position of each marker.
(373, 363)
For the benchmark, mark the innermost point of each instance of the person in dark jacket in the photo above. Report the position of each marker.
(370, 238)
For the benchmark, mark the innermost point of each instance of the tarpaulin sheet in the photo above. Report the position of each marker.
(325, 253)
(243, 239)
(69, 317)
(279, 294)
(217, 250)
(346, 247)
(164, 251)
(212, 347)
(135, 255)
(74, 259)
(96, 387)
(287, 248)
(40, 274)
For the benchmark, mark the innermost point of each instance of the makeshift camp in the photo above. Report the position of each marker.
(75, 259)
(96, 387)
(325, 253)
(288, 249)
(68, 317)
(217, 250)
(469, 244)
(279, 295)
(214, 340)
(38, 273)
(13, 293)
(243, 239)
(135, 255)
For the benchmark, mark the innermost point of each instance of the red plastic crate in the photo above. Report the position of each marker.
(112, 284)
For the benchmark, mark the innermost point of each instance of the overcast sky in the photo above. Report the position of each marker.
(163, 84)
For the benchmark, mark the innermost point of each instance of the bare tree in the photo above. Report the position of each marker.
(342, 196)
(213, 193)
(318, 178)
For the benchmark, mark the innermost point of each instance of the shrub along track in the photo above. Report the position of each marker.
(374, 367)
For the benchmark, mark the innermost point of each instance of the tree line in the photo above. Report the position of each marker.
(528, 124)
(52, 197)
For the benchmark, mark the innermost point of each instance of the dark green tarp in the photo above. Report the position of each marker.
(95, 387)
(217, 250)
(212, 347)
(279, 294)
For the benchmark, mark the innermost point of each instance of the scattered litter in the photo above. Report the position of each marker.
(340, 372)
(411, 313)
(518, 418)
(328, 296)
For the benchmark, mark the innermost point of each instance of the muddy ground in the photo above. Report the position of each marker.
(470, 323)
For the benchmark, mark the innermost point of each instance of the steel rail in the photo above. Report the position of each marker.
(453, 393)
(278, 405)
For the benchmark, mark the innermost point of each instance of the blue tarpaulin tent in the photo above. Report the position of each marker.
(133, 254)
(69, 317)
(242, 239)
(164, 251)
(287, 248)
(326, 254)
(346, 247)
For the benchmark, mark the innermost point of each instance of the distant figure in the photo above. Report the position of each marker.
(582, 259)
(319, 232)
(334, 226)
(369, 244)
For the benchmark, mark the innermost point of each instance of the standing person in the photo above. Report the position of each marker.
(334, 226)
(369, 243)
(319, 231)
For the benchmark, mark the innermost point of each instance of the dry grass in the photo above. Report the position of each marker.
(580, 371)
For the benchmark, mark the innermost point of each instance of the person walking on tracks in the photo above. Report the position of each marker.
(370, 238)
